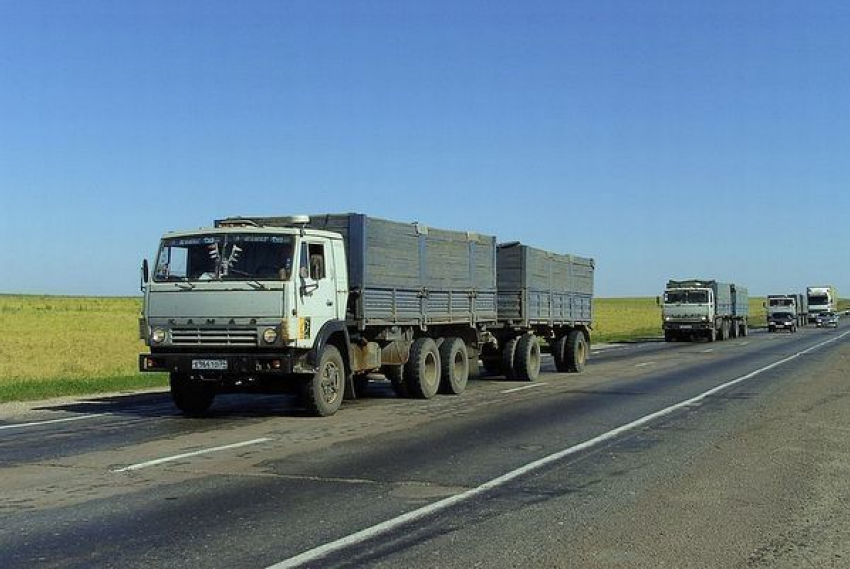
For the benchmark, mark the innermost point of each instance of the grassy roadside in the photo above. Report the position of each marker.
(56, 346)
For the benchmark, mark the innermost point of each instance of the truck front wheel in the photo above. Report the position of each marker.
(454, 363)
(322, 392)
(190, 394)
(422, 370)
(577, 351)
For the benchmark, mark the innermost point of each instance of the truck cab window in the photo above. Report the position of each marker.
(313, 260)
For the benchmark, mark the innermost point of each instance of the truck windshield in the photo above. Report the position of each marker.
(780, 302)
(241, 256)
(818, 299)
(686, 297)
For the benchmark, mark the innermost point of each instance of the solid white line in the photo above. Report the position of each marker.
(39, 423)
(389, 525)
(189, 454)
(529, 386)
(708, 351)
(644, 364)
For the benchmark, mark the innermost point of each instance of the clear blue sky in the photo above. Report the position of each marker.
(663, 138)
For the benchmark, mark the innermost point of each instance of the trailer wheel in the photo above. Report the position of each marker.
(509, 357)
(559, 349)
(527, 358)
(422, 370)
(454, 366)
(323, 391)
(711, 336)
(190, 394)
(734, 330)
(577, 351)
(744, 330)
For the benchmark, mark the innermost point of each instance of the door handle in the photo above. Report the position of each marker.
(329, 303)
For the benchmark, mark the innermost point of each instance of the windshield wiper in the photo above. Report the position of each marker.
(256, 285)
(184, 285)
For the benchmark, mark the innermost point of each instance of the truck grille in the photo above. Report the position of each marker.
(214, 336)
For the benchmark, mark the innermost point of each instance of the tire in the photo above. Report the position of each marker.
(508, 357)
(669, 336)
(577, 352)
(422, 370)
(322, 392)
(724, 331)
(190, 394)
(396, 376)
(734, 330)
(744, 330)
(454, 366)
(559, 350)
(712, 335)
(527, 358)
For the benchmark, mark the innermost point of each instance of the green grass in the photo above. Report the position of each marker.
(55, 346)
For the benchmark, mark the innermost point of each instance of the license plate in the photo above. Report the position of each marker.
(685, 327)
(209, 364)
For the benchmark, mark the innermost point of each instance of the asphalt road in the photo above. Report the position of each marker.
(730, 454)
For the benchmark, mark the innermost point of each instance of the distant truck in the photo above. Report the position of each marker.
(312, 304)
(704, 308)
(784, 312)
(821, 299)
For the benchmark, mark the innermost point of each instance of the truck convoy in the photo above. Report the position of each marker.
(698, 308)
(312, 304)
(821, 299)
(786, 312)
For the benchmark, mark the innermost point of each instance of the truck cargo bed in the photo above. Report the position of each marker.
(411, 274)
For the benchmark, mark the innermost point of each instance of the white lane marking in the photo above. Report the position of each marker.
(644, 364)
(743, 343)
(48, 422)
(190, 454)
(529, 386)
(389, 525)
(708, 351)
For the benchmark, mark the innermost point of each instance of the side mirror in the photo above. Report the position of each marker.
(658, 300)
(145, 275)
(304, 273)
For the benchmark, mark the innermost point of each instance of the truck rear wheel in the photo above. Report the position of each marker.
(509, 357)
(422, 370)
(577, 351)
(668, 336)
(559, 348)
(527, 358)
(190, 394)
(322, 392)
(454, 366)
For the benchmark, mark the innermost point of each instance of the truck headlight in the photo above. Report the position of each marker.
(158, 335)
(269, 335)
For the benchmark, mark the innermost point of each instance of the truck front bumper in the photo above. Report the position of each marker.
(224, 365)
(686, 326)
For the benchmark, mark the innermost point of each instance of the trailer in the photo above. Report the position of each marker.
(704, 308)
(541, 295)
(314, 304)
